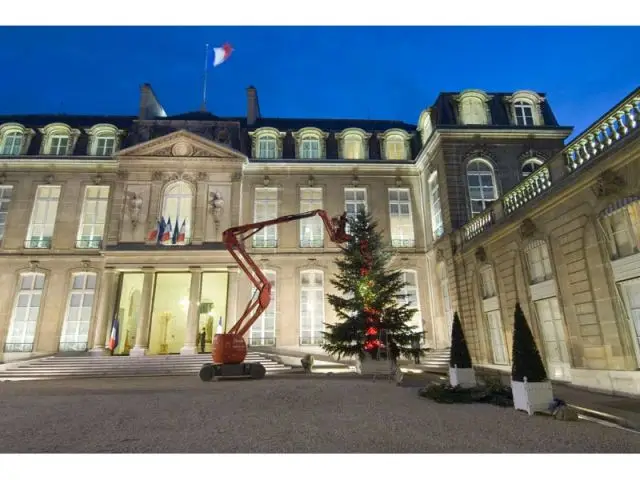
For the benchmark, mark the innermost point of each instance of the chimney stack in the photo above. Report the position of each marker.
(253, 107)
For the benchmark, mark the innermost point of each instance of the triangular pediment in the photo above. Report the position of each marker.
(183, 144)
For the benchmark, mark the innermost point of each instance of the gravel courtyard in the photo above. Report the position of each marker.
(274, 415)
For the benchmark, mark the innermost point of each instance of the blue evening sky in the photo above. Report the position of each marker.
(314, 72)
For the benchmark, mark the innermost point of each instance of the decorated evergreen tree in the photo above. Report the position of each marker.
(526, 360)
(373, 317)
(459, 356)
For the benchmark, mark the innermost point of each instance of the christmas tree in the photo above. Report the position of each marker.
(459, 356)
(526, 360)
(373, 317)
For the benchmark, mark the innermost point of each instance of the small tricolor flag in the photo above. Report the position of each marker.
(115, 333)
(221, 54)
(219, 330)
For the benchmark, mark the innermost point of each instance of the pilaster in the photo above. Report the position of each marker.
(142, 334)
(189, 347)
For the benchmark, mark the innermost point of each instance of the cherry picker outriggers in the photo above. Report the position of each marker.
(230, 349)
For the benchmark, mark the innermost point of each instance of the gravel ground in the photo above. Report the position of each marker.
(274, 415)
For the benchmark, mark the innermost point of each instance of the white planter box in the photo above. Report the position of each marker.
(465, 377)
(368, 366)
(532, 397)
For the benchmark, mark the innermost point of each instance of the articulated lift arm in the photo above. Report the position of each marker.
(234, 239)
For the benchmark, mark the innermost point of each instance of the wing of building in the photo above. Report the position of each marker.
(483, 200)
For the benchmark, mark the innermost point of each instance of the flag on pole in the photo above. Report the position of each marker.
(176, 230)
(219, 329)
(183, 231)
(161, 227)
(115, 333)
(221, 54)
(166, 235)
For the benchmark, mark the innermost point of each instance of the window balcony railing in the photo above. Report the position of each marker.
(312, 340)
(89, 244)
(264, 242)
(262, 342)
(18, 347)
(610, 130)
(312, 243)
(73, 347)
(38, 242)
(403, 242)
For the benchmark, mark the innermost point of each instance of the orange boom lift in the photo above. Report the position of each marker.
(230, 349)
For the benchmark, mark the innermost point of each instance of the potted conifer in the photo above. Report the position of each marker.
(461, 371)
(530, 386)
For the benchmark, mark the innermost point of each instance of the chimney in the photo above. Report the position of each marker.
(253, 107)
(150, 107)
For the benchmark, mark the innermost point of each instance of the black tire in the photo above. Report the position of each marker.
(257, 371)
(206, 372)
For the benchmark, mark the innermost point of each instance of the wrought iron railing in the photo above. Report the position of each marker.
(95, 243)
(312, 340)
(38, 242)
(18, 347)
(73, 346)
(262, 342)
(264, 242)
(403, 242)
(313, 243)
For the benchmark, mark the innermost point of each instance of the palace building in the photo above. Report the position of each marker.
(483, 200)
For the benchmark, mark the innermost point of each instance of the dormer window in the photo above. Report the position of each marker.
(105, 146)
(395, 148)
(103, 140)
(310, 148)
(472, 107)
(352, 148)
(523, 113)
(12, 143)
(267, 147)
(58, 145)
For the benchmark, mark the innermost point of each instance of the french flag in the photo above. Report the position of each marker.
(183, 231)
(221, 54)
(115, 334)
(166, 235)
(219, 330)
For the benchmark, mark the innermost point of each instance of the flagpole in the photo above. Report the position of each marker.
(204, 86)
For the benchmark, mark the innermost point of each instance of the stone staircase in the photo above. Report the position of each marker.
(436, 360)
(87, 366)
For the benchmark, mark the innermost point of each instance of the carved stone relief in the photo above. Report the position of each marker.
(609, 183)
(481, 255)
(527, 228)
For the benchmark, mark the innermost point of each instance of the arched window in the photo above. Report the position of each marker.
(309, 147)
(12, 143)
(177, 207)
(395, 148)
(473, 111)
(311, 307)
(267, 147)
(523, 113)
(352, 147)
(58, 142)
(263, 332)
(482, 185)
(530, 166)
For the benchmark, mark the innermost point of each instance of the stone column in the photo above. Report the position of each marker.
(190, 347)
(144, 322)
(104, 312)
(231, 316)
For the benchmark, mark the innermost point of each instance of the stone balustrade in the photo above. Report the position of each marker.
(614, 126)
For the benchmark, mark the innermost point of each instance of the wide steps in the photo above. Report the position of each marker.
(436, 359)
(121, 366)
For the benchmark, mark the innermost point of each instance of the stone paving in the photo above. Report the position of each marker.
(274, 415)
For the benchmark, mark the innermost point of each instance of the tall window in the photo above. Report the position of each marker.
(352, 148)
(395, 148)
(43, 217)
(530, 166)
(26, 309)
(5, 200)
(177, 208)
(539, 263)
(266, 208)
(75, 329)
(310, 148)
(312, 228)
(267, 147)
(623, 228)
(488, 282)
(311, 307)
(554, 339)
(437, 226)
(355, 200)
(409, 295)
(58, 145)
(523, 113)
(473, 111)
(94, 216)
(497, 338)
(400, 218)
(263, 332)
(482, 186)
(12, 143)
(104, 145)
